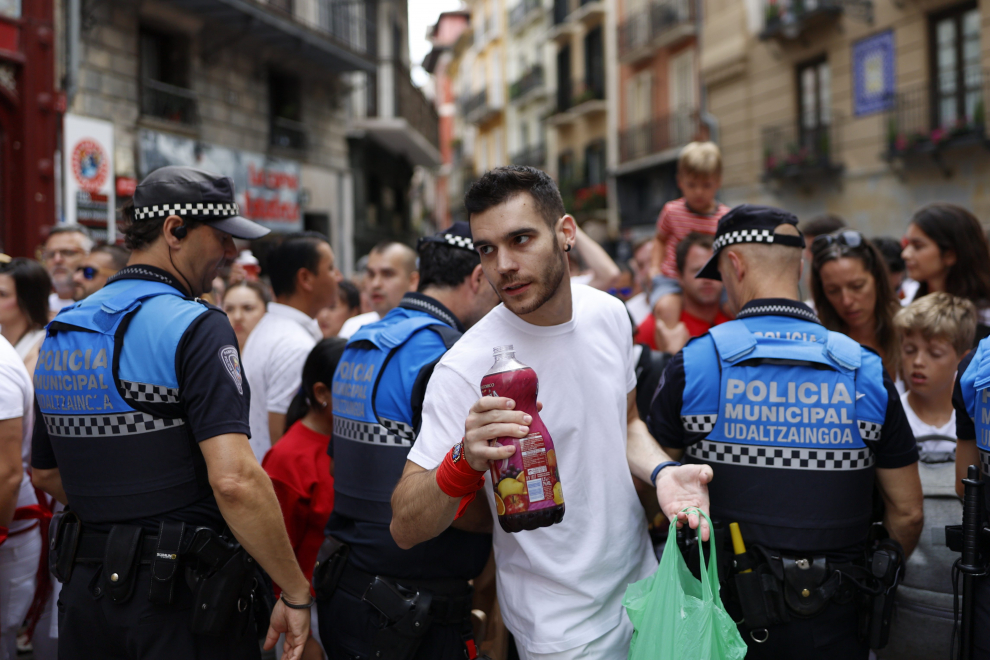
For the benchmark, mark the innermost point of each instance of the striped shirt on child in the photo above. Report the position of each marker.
(677, 221)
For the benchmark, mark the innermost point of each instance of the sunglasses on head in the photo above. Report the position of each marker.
(848, 238)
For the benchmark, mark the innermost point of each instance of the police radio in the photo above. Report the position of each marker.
(972, 539)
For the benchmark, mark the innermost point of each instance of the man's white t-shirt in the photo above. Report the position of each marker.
(355, 323)
(56, 304)
(273, 358)
(561, 586)
(17, 400)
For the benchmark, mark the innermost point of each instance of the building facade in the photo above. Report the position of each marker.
(658, 104)
(530, 92)
(864, 110)
(29, 110)
(444, 35)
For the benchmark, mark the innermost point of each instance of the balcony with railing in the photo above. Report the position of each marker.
(660, 24)
(523, 88)
(524, 13)
(533, 156)
(658, 135)
(337, 37)
(169, 102)
(787, 19)
(924, 120)
(480, 107)
(587, 11)
(578, 98)
(804, 154)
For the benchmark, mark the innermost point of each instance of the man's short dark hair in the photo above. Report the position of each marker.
(891, 250)
(501, 184)
(822, 224)
(444, 265)
(299, 250)
(139, 234)
(349, 294)
(118, 255)
(688, 242)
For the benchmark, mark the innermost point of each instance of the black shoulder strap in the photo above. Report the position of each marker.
(449, 336)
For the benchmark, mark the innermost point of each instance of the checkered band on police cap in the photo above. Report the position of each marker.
(206, 209)
(458, 235)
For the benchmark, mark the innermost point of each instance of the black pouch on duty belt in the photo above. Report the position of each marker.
(330, 563)
(165, 562)
(121, 560)
(63, 539)
(808, 584)
(759, 589)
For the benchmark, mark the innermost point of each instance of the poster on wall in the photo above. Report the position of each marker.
(873, 73)
(267, 189)
(88, 175)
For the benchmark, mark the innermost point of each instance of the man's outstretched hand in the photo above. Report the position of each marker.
(680, 487)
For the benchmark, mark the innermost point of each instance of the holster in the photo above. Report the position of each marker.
(63, 539)
(222, 585)
(120, 561)
(760, 591)
(165, 562)
(405, 619)
(886, 565)
(330, 563)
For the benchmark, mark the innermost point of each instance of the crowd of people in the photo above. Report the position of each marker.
(302, 335)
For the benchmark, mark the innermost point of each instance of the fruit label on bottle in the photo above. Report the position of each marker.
(528, 480)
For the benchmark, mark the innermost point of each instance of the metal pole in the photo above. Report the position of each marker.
(972, 528)
(73, 37)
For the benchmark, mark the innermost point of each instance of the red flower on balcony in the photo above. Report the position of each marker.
(937, 135)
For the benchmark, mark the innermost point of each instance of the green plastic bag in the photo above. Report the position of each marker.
(677, 617)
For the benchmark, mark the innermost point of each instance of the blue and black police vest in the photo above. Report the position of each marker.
(789, 423)
(975, 386)
(102, 362)
(379, 380)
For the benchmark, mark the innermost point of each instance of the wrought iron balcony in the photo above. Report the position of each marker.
(521, 13)
(659, 135)
(288, 134)
(415, 108)
(791, 152)
(534, 156)
(281, 5)
(168, 102)
(573, 95)
(659, 24)
(789, 18)
(923, 121)
(532, 79)
(474, 106)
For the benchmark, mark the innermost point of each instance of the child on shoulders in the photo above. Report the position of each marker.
(699, 176)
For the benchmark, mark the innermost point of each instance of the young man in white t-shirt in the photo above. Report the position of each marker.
(936, 332)
(560, 587)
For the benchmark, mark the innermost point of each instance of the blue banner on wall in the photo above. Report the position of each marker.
(873, 73)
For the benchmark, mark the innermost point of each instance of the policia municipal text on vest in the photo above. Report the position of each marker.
(376, 600)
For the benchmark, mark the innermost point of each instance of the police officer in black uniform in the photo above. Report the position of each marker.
(383, 602)
(798, 424)
(142, 431)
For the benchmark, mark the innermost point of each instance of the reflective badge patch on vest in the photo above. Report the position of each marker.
(232, 363)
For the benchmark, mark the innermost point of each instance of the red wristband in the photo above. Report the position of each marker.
(456, 477)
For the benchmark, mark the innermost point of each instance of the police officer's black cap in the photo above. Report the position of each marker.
(749, 223)
(457, 235)
(193, 194)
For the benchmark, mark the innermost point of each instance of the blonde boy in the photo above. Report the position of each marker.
(699, 176)
(936, 332)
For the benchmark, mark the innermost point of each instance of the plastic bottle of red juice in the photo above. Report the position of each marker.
(527, 484)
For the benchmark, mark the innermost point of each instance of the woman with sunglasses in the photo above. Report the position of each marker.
(24, 289)
(945, 249)
(853, 295)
